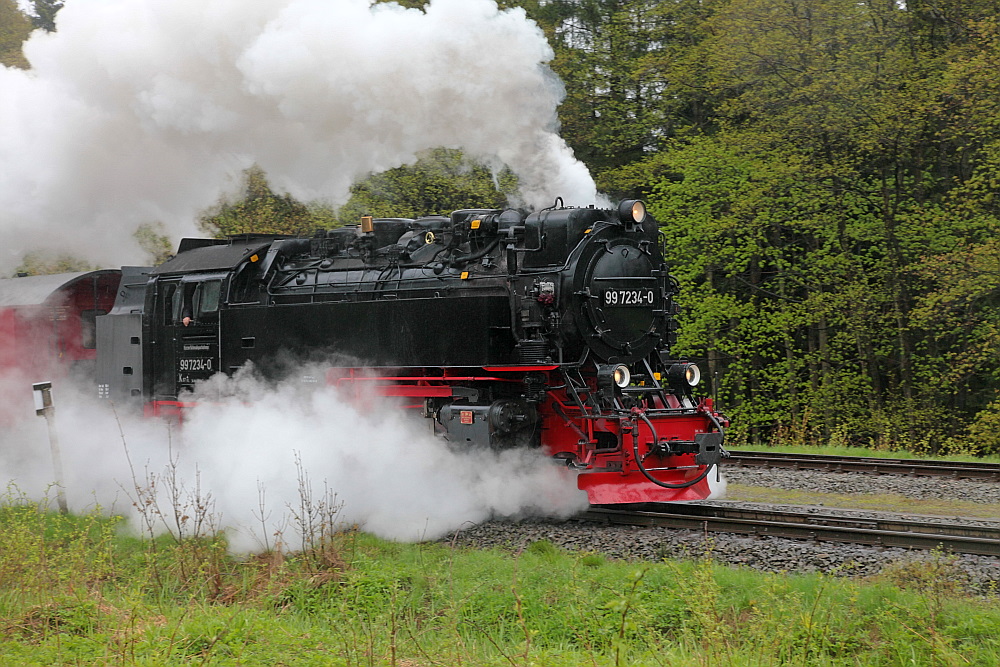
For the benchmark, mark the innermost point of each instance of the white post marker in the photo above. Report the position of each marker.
(44, 408)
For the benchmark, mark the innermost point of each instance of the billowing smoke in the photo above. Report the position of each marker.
(265, 455)
(145, 112)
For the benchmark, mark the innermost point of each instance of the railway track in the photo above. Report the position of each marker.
(986, 472)
(808, 525)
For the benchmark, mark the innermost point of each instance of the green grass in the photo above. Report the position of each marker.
(864, 451)
(77, 590)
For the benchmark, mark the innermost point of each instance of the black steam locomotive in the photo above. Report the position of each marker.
(550, 329)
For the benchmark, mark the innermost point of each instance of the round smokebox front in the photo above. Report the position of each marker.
(625, 301)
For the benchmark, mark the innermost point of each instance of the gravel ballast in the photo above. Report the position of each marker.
(919, 488)
(767, 554)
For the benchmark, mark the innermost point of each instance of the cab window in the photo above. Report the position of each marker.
(199, 300)
(206, 301)
(171, 303)
(88, 328)
(181, 303)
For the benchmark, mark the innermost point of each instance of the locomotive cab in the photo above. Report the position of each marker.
(186, 305)
(188, 309)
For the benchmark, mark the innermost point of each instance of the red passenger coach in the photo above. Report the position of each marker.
(47, 327)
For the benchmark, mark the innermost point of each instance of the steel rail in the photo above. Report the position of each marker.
(871, 465)
(823, 527)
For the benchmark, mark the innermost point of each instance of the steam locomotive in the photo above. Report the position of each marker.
(502, 328)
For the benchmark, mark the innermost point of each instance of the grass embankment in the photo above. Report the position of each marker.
(75, 590)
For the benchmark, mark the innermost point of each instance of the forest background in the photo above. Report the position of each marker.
(825, 173)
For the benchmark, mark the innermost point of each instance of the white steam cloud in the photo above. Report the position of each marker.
(145, 112)
(718, 484)
(248, 442)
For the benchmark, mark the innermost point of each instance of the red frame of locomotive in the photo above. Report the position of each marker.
(610, 476)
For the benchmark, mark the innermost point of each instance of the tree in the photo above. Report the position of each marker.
(774, 299)
(14, 29)
(609, 116)
(152, 239)
(260, 210)
(44, 15)
(441, 181)
(862, 105)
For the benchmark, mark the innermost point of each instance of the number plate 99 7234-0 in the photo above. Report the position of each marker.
(629, 297)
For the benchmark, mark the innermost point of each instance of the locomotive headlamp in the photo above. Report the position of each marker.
(632, 212)
(684, 374)
(613, 375)
(621, 375)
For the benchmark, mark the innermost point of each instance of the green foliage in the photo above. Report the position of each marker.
(156, 244)
(48, 563)
(614, 111)
(938, 577)
(441, 181)
(42, 263)
(411, 4)
(592, 560)
(260, 210)
(14, 29)
(984, 431)
(150, 238)
(766, 272)
(44, 14)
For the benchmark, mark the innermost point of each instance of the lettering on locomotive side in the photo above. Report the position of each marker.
(194, 364)
(197, 347)
(629, 297)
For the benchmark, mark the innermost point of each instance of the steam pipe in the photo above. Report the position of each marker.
(482, 252)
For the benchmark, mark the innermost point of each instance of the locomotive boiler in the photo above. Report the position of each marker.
(550, 329)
